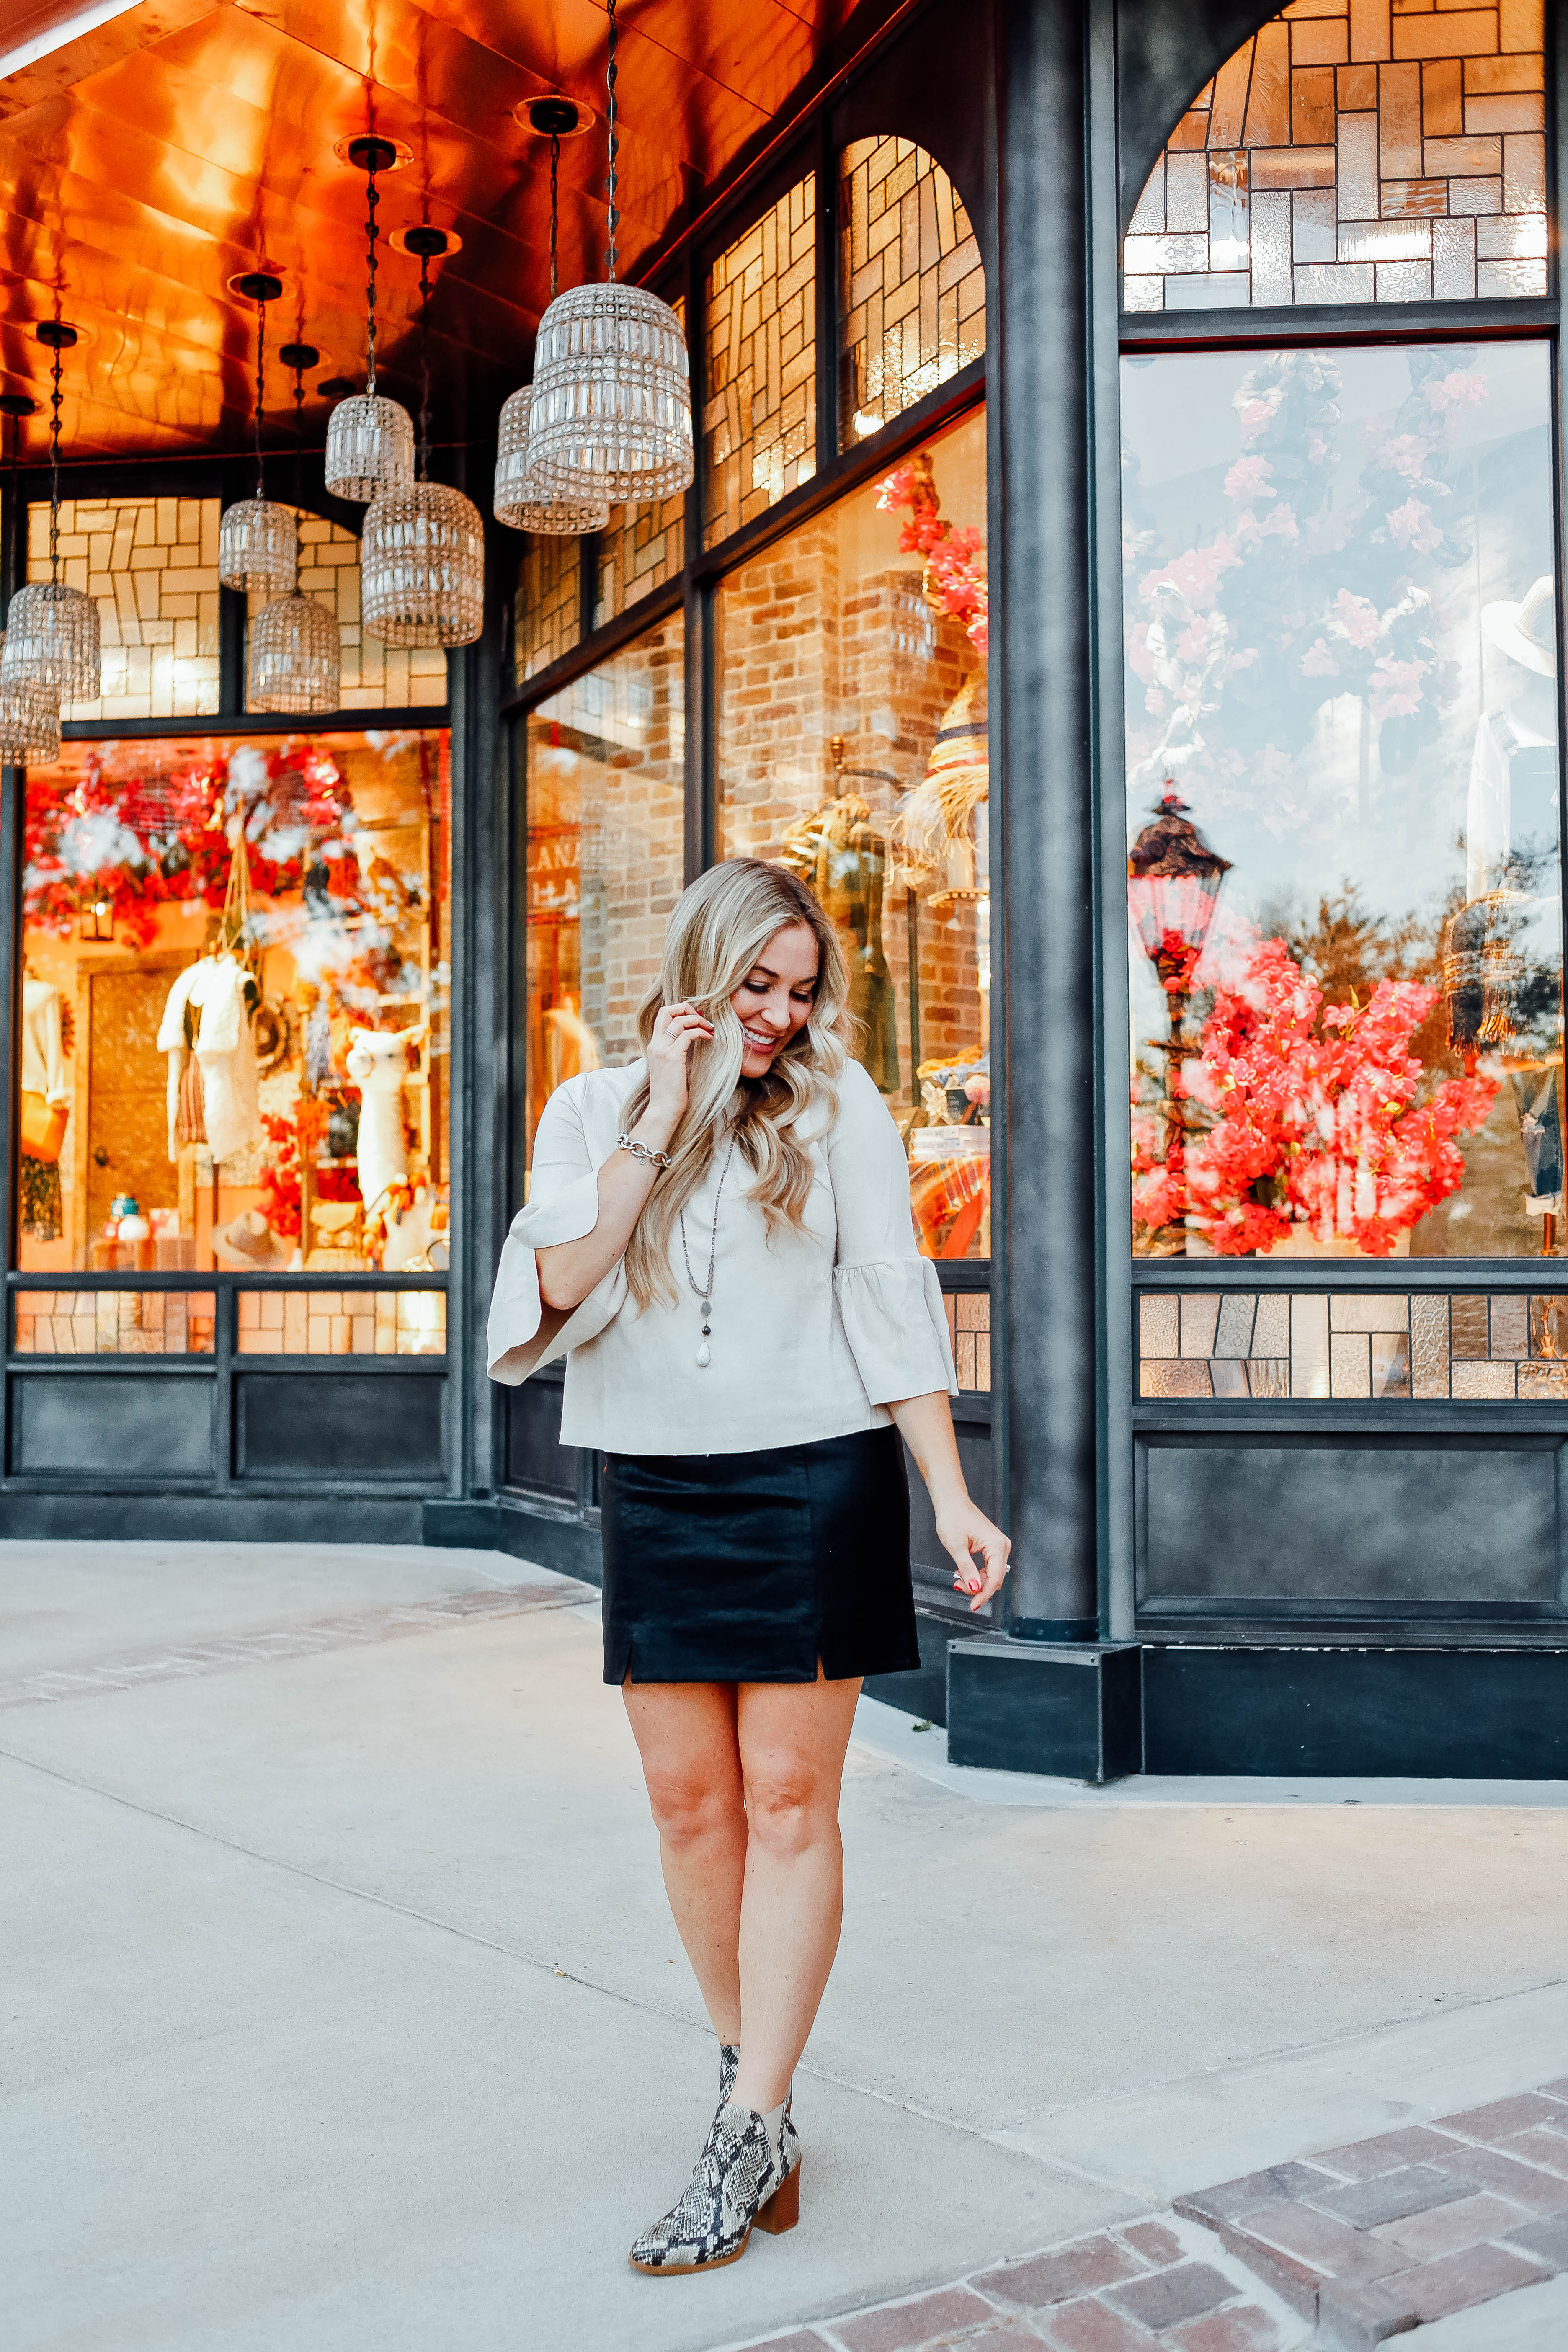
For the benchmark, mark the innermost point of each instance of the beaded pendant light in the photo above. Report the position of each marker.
(422, 555)
(294, 658)
(52, 635)
(611, 413)
(29, 714)
(561, 518)
(257, 539)
(370, 441)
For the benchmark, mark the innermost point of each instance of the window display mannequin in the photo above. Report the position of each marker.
(207, 1017)
(43, 1119)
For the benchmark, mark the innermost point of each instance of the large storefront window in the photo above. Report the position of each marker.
(606, 812)
(852, 746)
(1344, 877)
(234, 1009)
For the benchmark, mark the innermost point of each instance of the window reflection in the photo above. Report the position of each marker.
(1345, 877)
(606, 806)
(853, 748)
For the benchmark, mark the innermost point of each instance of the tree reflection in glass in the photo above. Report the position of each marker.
(1342, 644)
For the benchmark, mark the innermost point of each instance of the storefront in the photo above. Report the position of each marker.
(1204, 901)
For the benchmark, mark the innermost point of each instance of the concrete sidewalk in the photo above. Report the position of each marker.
(347, 2012)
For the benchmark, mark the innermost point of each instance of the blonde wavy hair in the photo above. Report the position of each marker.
(717, 930)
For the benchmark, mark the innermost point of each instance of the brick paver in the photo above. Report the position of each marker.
(1361, 2243)
(282, 1642)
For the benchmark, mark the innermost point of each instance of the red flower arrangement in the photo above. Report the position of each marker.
(955, 578)
(1321, 1121)
(135, 843)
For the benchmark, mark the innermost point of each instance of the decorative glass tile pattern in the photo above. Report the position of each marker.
(643, 548)
(968, 1329)
(342, 1323)
(374, 677)
(912, 283)
(1472, 1346)
(759, 416)
(549, 607)
(151, 567)
(113, 1323)
(1355, 151)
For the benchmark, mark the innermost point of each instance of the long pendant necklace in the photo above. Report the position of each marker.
(703, 1291)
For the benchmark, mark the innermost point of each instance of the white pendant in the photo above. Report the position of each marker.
(703, 1354)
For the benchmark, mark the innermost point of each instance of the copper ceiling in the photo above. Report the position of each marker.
(148, 162)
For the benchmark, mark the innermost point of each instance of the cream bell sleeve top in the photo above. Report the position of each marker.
(814, 1333)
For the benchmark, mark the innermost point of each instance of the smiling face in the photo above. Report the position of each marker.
(774, 1001)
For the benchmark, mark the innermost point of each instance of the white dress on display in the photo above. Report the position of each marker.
(378, 1064)
(214, 990)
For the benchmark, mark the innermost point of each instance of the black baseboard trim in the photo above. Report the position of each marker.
(323, 1519)
(1071, 1710)
(1423, 1714)
(921, 1691)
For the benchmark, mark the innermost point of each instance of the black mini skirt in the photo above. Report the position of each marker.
(750, 1568)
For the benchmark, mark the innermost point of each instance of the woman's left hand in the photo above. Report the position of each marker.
(963, 1530)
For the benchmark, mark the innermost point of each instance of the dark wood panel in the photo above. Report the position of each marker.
(536, 1460)
(340, 1425)
(1399, 1714)
(1446, 1521)
(110, 1426)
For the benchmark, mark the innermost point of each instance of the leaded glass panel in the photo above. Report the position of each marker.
(1355, 151)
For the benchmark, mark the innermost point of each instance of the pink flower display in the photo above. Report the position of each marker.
(1325, 1122)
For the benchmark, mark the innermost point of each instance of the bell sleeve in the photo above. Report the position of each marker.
(890, 1301)
(524, 1334)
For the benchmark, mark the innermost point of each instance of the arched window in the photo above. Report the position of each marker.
(1351, 152)
(911, 285)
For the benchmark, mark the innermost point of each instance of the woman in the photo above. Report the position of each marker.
(719, 1239)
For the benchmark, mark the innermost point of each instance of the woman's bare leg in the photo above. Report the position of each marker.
(686, 1734)
(791, 1738)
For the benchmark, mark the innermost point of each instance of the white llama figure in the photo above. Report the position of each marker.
(378, 1064)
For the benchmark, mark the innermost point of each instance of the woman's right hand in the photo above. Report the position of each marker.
(676, 1030)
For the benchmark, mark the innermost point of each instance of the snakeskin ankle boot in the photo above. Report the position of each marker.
(729, 2067)
(744, 2180)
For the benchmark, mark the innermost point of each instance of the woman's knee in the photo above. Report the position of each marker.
(690, 1808)
(790, 1803)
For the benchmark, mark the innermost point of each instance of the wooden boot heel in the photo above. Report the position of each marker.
(782, 2211)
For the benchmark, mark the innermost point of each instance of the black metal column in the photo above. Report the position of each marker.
(1045, 672)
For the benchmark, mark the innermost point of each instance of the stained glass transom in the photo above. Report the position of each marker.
(912, 283)
(1477, 1347)
(151, 567)
(759, 418)
(548, 608)
(1355, 151)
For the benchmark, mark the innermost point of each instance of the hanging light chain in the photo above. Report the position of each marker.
(56, 402)
(370, 287)
(11, 517)
(423, 364)
(555, 202)
(299, 461)
(612, 120)
(260, 390)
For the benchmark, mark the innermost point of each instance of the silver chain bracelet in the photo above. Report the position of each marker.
(642, 1151)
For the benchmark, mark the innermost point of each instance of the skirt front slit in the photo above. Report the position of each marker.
(753, 1567)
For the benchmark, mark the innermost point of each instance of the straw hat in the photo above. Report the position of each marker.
(1527, 632)
(250, 1245)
